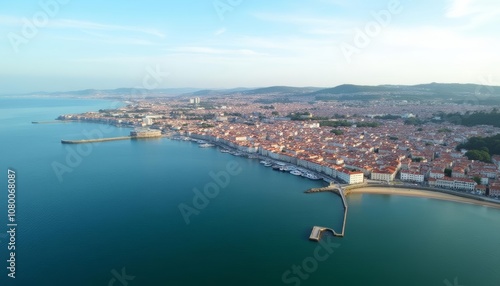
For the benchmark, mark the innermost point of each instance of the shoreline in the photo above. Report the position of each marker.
(420, 194)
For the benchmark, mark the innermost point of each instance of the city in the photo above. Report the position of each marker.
(373, 143)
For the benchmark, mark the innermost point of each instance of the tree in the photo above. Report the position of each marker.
(447, 172)
(477, 180)
(337, 132)
(479, 155)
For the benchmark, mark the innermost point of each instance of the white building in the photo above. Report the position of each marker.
(350, 177)
(453, 183)
(386, 175)
(412, 176)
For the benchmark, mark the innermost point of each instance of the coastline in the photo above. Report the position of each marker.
(353, 189)
(421, 194)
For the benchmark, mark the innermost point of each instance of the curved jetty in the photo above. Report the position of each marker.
(318, 230)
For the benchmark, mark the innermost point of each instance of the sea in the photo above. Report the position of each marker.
(165, 212)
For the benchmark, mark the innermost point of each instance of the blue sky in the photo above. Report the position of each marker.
(251, 43)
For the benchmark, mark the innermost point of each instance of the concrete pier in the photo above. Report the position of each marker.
(317, 230)
(48, 122)
(95, 140)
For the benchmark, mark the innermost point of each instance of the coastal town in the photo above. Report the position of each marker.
(351, 141)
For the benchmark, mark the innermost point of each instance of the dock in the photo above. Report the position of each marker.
(48, 122)
(318, 230)
(95, 140)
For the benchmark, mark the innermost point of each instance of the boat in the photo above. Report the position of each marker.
(276, 167)
(268, 164)
(312, 176)
(296, 173)
(224, 151)
(206, 145)
(288, 168)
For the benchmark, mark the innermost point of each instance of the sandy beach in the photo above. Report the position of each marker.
(422, 194)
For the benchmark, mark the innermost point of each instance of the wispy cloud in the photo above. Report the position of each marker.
(476, 12)
(220, 31)
(83, 25)
(300, 19)
(215, 51)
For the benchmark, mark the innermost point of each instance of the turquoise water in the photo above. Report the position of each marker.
(117, 209)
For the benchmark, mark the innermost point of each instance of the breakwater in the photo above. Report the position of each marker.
(318, 230)
(48, 122)
(95, 140)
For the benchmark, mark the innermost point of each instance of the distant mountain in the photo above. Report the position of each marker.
(216, 92)
(432, 91)
(281, 90)
(351, 88)
(119, 92)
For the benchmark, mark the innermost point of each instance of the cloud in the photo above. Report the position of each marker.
(83, 25)
(214, 51)
(476, 12)
(220, 32)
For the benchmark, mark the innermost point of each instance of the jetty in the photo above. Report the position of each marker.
(95, 140)
(136, 134)
(48, 122)
(318, 230)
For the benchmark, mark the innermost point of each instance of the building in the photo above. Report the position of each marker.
(194, 100)
(387, 174)
(412, 176)
(350, 177)
(481, 189)
(462, 184)
(145, 133)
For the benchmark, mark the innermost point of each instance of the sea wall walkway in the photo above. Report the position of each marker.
(95, 140)
(318, 230)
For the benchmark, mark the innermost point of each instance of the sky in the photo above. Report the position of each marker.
(62, 45)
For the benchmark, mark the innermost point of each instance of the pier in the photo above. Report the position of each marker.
(136, 134)
(48, 122)
(318, 230)
(95, 140)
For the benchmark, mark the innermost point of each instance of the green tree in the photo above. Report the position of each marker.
(479, 155)
(337, 132)
(447, 172)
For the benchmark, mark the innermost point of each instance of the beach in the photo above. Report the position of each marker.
(420, 193)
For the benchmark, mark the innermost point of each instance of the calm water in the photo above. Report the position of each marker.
(117, 206)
